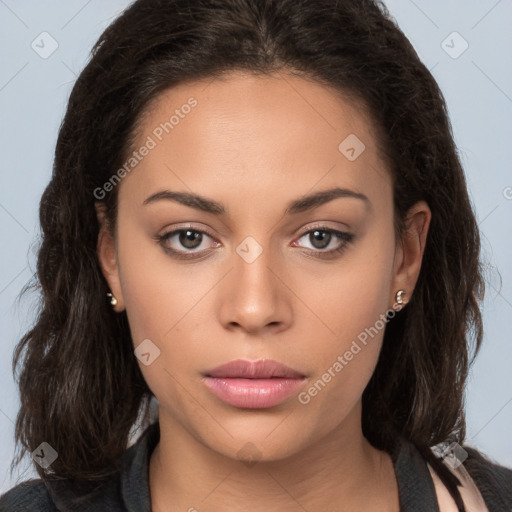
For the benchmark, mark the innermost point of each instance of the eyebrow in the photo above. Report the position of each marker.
(296, 206)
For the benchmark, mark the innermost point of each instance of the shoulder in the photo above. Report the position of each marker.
(31, 495)
(493, 480)
(62, 495)
(127, 482)
(483, 484)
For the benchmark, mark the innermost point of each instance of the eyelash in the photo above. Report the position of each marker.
(347, 238)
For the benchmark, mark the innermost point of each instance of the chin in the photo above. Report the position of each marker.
(268, 441)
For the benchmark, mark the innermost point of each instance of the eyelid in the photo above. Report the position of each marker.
(177, 228)
(321, 226)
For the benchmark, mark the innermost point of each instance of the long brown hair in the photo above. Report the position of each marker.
(81, 388)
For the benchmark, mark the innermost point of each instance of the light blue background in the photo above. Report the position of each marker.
(478, 89)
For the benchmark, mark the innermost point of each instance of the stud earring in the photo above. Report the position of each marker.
(113, 300)
(400, 297)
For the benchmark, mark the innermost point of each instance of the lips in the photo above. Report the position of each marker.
(253, 385)
(263, 369)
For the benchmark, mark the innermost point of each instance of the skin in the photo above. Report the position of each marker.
(254, 144)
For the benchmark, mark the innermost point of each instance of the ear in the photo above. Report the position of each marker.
(410, 249)
(107, 256)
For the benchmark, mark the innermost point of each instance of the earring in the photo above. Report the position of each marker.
(399, 297)
(113, 300)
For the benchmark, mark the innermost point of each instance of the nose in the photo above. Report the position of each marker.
(255, 296)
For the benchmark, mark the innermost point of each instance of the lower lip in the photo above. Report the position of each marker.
(253, 393)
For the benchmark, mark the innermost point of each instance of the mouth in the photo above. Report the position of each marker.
(253, 385)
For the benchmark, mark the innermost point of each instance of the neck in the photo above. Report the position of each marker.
(342, 470)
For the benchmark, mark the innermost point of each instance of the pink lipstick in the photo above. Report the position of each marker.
(253, 385)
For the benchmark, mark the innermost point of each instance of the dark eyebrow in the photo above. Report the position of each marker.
(322, 197)
(187, 199)
(296, 206)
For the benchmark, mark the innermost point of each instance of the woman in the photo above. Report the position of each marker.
(258, 218)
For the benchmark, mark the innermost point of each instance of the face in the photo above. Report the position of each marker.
(253, 263)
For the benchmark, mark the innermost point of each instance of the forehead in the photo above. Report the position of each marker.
(255, 132)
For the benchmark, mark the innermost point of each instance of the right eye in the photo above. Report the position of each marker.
(188, 239)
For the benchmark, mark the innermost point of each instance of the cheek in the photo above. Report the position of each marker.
(353, 293)
(159, 299)
(352, 301)
(164, 303)
(157, 293)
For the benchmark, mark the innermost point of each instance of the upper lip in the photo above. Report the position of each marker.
(263, 369)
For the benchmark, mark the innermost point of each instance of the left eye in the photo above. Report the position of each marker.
(321, 238)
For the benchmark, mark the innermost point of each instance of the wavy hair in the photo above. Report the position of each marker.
(80, 385)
